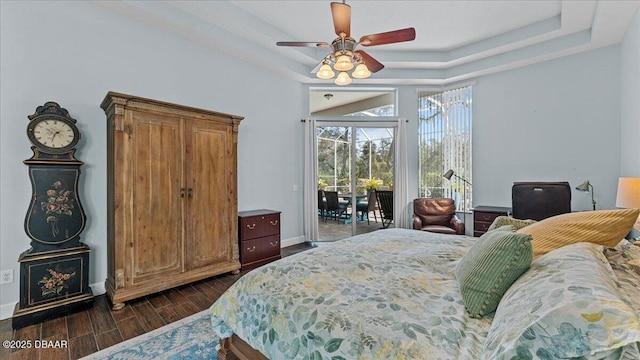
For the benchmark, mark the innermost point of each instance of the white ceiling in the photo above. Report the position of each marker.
(455, 40)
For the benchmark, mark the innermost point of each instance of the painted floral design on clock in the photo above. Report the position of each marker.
(55, 283)
(59, 203)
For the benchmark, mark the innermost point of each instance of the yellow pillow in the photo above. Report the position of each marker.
(604, 227)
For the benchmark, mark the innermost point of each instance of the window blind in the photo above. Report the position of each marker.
(445, 144)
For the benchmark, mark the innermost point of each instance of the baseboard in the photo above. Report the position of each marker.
(292, 241)
(6, 310)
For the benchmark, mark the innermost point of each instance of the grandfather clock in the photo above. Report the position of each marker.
(54, 272)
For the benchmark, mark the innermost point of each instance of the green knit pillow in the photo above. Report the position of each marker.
(492, 264)
(506, 220)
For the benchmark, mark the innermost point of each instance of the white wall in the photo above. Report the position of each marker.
(630, 102)
(554, 121)
(73, 53)
(630, 99)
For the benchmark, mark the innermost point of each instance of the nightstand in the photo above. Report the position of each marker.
(258, 237)
(483, 216)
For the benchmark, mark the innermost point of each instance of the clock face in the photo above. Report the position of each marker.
(53, 134)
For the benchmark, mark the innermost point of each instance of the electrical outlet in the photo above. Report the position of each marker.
(6, 276)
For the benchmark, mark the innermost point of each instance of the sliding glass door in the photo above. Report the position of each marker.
(355, 162)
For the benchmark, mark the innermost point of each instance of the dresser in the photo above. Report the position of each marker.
(258, 237)
(171, 195)
(483, 216)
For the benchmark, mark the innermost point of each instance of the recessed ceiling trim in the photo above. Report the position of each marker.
(234, 28)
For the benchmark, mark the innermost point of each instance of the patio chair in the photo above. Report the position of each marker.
(385, 205)
(322, 205)
(365, 207)
(335, 208)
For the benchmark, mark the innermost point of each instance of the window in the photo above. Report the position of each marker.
(445, 144)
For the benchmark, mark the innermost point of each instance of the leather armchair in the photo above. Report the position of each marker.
(436, 215)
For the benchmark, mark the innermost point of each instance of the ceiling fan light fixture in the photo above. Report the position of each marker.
(343, 63)
(361, 72)
(325, 72)
(343, 79)
(343, 56)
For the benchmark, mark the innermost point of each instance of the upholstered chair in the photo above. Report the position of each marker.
(436, 215)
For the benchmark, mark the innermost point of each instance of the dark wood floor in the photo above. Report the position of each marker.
(97, 328)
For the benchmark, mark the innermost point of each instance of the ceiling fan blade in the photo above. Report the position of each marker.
(390, 37)
(302, 43)
(341, 18)
(372, 64)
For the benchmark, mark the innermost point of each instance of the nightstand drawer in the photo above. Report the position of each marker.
(481, 226)
(485, 217)
(258, 249)
(259, 226)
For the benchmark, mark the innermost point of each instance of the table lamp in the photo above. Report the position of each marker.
(629, 195)
(585, 186)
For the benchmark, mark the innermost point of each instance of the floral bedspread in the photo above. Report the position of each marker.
(390, 294)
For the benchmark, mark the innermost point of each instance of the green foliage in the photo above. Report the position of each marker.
(374, 159)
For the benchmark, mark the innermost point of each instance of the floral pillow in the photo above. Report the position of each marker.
(567, 305)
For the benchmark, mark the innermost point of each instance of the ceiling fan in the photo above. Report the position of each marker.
(343, 55)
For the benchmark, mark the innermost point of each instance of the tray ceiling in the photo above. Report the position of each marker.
(455, 41)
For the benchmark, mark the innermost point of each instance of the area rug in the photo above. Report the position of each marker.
(189, 338)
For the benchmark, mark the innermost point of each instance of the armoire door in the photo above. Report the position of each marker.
(210, 177)
(155, 248)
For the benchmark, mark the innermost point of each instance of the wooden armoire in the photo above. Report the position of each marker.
(172, 199)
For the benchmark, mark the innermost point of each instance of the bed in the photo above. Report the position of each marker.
(393, 294)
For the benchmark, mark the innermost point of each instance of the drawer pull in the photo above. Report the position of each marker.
(251, 249)
(251, 227)
(274, 244)
(274, 223)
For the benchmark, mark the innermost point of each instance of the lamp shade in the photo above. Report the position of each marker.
(361, 72)
(343, 79)
(629, 195)
(584, 186)
(343, 63)
(325, 72)
(448, 174)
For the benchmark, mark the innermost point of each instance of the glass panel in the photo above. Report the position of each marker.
(334, 158)
(374, 171)
(373, 151)
(355, 103)
(445, 144)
